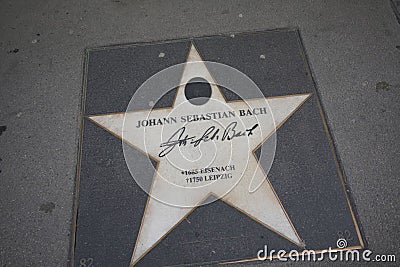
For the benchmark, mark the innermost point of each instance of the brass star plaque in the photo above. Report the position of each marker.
(206, 150)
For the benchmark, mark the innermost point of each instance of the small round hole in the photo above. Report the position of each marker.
(198, 91)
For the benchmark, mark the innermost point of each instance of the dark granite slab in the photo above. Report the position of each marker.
(306, 173)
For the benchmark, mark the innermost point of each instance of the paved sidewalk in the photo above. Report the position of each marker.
(353, 48)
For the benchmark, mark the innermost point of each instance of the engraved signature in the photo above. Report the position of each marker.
(179, 138)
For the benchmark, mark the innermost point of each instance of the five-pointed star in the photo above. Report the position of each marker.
(173, 194)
